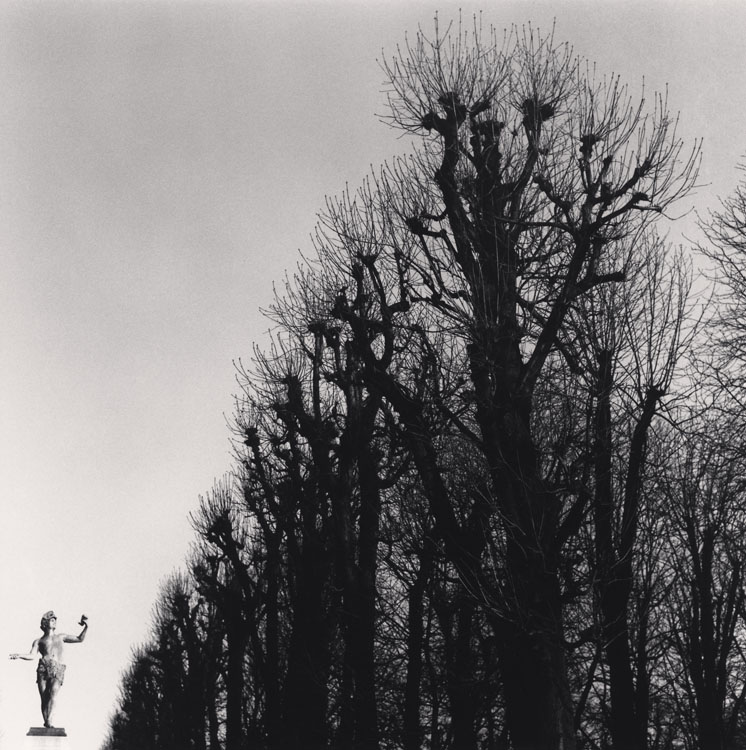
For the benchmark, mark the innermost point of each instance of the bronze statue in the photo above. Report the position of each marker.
(50, 672)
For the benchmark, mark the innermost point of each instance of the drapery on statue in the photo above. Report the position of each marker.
(50, 672)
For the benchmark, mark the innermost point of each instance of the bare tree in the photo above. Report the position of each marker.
(629, 341)
(704, 485)
(224, 574)
(533, 175)
(725, 231)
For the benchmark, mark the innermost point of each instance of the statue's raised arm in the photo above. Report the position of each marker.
(77, 638)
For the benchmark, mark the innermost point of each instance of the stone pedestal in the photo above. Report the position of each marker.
(40, 738)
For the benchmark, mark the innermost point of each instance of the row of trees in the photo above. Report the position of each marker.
(488, 478)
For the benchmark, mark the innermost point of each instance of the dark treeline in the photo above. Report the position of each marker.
(488, 487)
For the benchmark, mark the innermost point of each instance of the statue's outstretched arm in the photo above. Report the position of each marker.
(31, 655)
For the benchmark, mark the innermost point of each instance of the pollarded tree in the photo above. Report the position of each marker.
(630, 339)
(361, 279)
(186, 651)
(168, 693)
(224, 576)
(136, 721)
(726, 249)
(704, 489)
(287, 473)
(533, 174)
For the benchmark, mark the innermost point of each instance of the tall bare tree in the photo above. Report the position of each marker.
(532, 176)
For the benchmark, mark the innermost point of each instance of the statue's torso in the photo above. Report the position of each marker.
(51, 645)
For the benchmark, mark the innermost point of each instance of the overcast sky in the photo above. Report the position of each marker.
(160, 165)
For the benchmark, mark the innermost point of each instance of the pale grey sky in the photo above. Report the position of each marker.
(160, 165)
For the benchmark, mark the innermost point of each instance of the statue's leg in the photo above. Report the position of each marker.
(41, 683)
(52, 689)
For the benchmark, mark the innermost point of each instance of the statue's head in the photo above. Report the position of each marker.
(46, 617)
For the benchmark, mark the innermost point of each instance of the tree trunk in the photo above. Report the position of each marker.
(412, 727)
(305, 699)
(364, 613)
(532, 657)
(613, 591)
(539, 708)
(234, 682)
(459, 665)
(272, 650)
